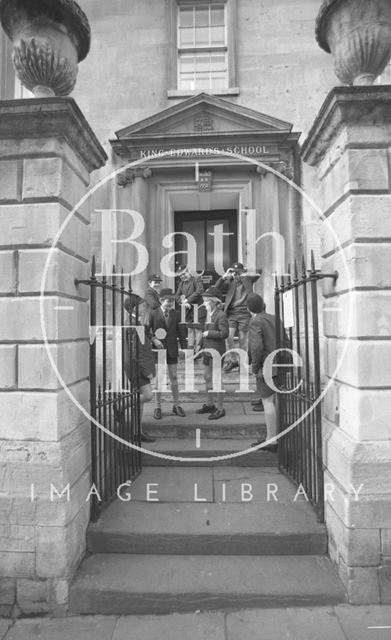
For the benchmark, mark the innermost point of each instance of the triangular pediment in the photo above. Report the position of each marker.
(204, 115)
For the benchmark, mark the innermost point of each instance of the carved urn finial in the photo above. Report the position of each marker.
(50, 38)
(358, 35)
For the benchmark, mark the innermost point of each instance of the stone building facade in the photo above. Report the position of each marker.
(165, 80)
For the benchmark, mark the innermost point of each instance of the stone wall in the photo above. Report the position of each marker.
(280, 68)
(350, 146)
(44, 438)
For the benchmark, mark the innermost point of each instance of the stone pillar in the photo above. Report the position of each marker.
(350, 144)
(139, 202)
(47, 152)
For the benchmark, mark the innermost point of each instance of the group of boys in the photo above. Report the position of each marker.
(177, 318)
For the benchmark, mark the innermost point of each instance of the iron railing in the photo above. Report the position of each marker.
(114, 396)
(300, 449)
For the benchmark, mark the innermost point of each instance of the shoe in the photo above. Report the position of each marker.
(144, 437)
(217, 414)
(272, 448)
(258, 407)
(231, 366)
(255, 402)
(178, 411)
(207, 408)
(157, 414)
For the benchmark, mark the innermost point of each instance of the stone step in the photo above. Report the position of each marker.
(243, 511)
(224, 451)
(120, 584)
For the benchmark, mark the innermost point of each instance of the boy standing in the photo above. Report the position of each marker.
(165, 332)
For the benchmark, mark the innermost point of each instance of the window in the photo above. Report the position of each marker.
(10, 86)
(7, 75)
(203, 47)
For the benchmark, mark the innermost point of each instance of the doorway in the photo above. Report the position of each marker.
(202, 226)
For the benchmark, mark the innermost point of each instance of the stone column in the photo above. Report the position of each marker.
(139, 201)
(47, 152)
(350, 144)
(268, 222)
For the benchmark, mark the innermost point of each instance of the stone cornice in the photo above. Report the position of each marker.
(52, 118)
(349, 107)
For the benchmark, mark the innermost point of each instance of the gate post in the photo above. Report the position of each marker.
(349, 144)
(47, 152)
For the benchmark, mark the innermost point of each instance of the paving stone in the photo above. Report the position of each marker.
(4, 626)
(174, 627)
(174, 484)
(365, 623)
(289, 624)
(90, 628)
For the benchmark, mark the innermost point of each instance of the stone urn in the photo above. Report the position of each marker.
(358, 35)
(50, 38)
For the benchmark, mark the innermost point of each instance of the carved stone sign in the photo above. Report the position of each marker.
(186, 151)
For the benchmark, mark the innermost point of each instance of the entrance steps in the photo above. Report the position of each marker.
(217, 539)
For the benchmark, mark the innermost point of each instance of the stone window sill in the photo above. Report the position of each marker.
(176, 93)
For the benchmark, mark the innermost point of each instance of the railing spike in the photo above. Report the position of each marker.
(93, 267)
(303, 266)
(295, 270)
(312, 260)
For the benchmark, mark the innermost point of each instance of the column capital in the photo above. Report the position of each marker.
(130, 175)
(280, 166)
(364, 111)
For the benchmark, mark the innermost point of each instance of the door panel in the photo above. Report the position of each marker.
(202, 224)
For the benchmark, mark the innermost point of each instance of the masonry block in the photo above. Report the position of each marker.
(18, 508)
(357, 510)
(357, 463)
(47, 148)
(39, 224)
(60, 549)
(358, 218)
(385, 581)
(361, 583)
(8, 271)
(357, 547)
(7, 591)
(14, 564)
(386, 542)
(8, 359)
(65, 319)
(43, 416)
(53, 178)
(43, 464)
(359, 265)
(357, 170)
(17, 538)
(61, 271)
(365, 313)
(365, 413)
(8, 180)
(36, 371)
(33, 596)
(361, 363)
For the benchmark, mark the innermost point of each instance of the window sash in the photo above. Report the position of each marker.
(202, 39)
(203, 70)
(193, 30)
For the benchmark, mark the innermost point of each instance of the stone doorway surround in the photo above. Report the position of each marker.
(162, 185)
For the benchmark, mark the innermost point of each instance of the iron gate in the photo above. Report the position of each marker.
(114, 396)
(297, 328)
